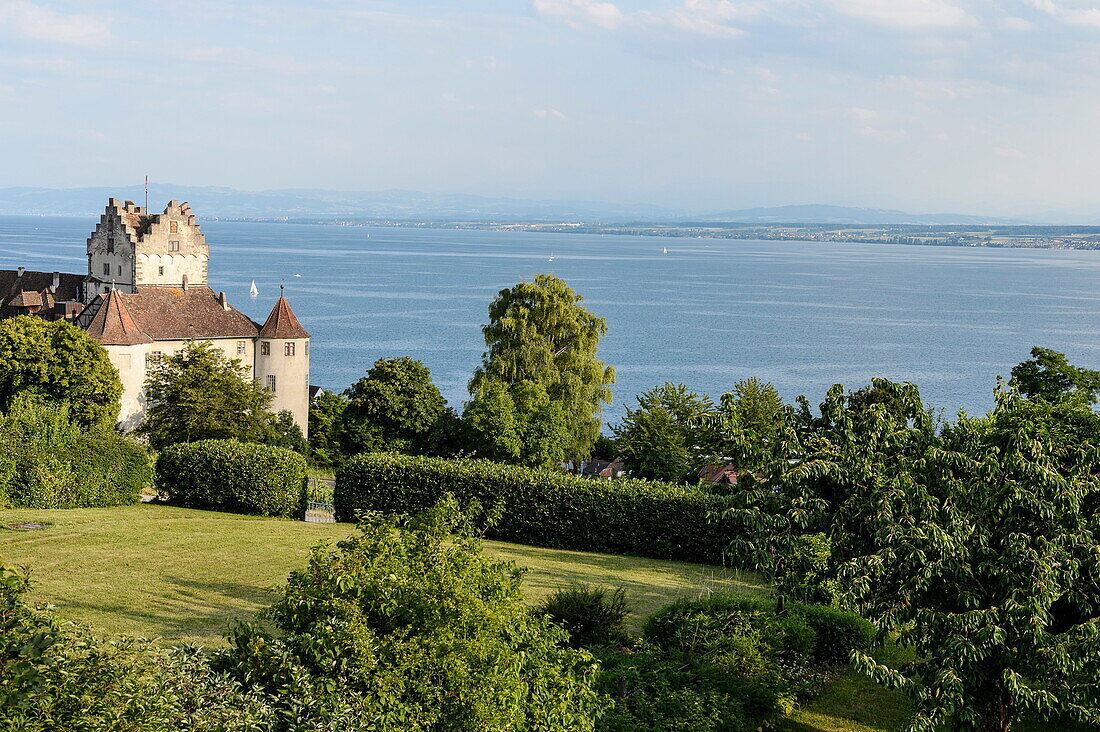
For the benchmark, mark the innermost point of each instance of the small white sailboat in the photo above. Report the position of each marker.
(252, 291)
(297, 275)
(551, 259)
(665, 251)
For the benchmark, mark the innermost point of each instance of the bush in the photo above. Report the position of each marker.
(542, 507)
(48, 461)
(591, 615)
(838, 632)
(227, 475)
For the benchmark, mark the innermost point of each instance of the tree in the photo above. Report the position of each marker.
(324, 415)
(61, 362)
(539, 332)
(1048, 375)
(490, 424)
(986, 564)
(285, 432)
(408, 625)
(200, 394)
(668, 434)
(749, 419)
(392, 408)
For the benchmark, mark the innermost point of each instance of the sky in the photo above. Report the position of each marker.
(974, 106)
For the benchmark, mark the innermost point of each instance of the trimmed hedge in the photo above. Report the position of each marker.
(238, 477)
(542, 507)
(47, 461)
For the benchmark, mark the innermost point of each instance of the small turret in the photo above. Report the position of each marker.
(282, 362)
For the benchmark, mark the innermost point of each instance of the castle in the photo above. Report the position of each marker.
(146, 296)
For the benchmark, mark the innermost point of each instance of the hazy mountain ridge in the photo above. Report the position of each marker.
(223, 202)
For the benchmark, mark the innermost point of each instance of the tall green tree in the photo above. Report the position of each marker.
(200, 394)
(1049, 375)
(667, 434)
(750, 418)
(392, 408)
(986, 564)
(324, 413)
(489, 422)
(61, 362)
(539, 332)
(518, 425)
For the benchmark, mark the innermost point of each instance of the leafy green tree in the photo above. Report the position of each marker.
(324, 416)
(490, 424)
(605, 448)
(667, 434)
(749, 419)
(541, 425)
(200, 394)
(539, 332)
(392, 408)
(1049, 375)
(61, 362)
(414, 629)
(285, 432)
(985, 563)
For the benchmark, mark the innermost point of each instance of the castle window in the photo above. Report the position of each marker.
(107, 268)
(307, 348)
(265, 348)
(173, 246)
(241, 346)
(288, 349)
(160, 270)
(153, 357)
(271, 383)
(120, 270)
(174, 228)
(110, 245)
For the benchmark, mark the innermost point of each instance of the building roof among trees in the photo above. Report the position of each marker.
(112, 325)
(175, 314)
(282, 323)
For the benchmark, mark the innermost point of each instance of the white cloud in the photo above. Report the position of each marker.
(877, 133)
(550, 114)
(1088, 16)
(802, 137)
(1016, 24)
(866, 115)
(582, 12)
(1008, 152)
(907, 14)
(32, 21)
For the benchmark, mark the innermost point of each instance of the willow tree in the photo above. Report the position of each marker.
(538, 332)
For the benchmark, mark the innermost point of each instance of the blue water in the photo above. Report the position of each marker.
(802, 315)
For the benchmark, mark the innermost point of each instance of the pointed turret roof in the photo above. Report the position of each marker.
(282, 323)
(113, 326)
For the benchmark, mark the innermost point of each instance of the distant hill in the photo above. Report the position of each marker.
(299, 203)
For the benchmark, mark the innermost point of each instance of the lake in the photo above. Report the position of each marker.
(802, 315)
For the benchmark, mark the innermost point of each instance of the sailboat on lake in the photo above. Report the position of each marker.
(252, 291)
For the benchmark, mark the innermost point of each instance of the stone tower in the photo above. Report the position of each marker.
(282, 362)
(131, 247)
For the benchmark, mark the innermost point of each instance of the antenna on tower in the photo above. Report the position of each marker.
(146, 194)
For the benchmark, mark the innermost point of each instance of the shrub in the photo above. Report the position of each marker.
(409, 626)
(542, 507)
(233, 476)
(48, 461)
(591, 615)
(838, 632)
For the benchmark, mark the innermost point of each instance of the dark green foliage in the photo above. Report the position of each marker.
(750, 421)
(285, 432)
(1049, 375)
(837, 632)
(47, 461)
(408, 626)
(392, 408)
(726, 662)
(324, 416)
(591, 615)
(200, 394)
(542, 507)
(448, 435)
(605, 448)
(62, 363)
(55, 677)
(520, 424)
(665, 436)
(540, 334)
(233, 476)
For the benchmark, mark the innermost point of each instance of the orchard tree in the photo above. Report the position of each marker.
(392, 408)
(987, 565)
(539, 332)
(61, 362)
(200, 394)
(1049, 375)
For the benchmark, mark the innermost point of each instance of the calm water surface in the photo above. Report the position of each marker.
(802, 315)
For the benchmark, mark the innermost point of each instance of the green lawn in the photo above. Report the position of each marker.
(179, 575)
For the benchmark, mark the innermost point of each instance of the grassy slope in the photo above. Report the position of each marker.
(180, 575)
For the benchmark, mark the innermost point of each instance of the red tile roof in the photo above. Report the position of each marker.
(282, 323)
(173, 314)
(112, 324)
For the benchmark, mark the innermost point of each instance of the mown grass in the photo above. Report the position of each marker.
(180, 575)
